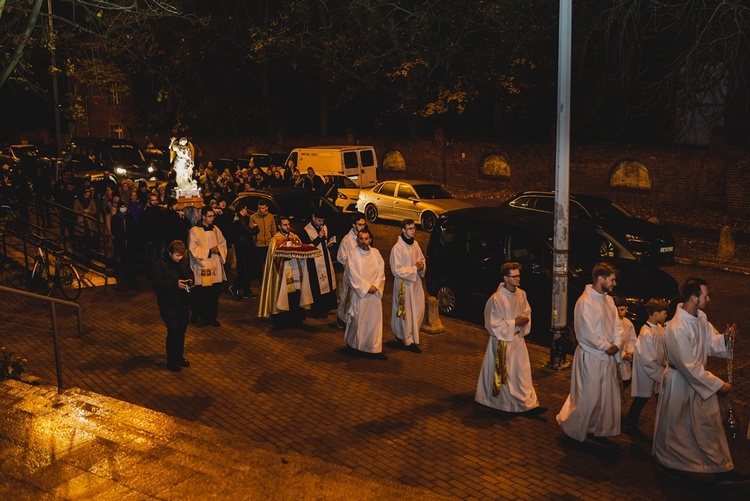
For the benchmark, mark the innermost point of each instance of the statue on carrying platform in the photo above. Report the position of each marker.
(181, 155)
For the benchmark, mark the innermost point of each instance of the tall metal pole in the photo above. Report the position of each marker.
(55, 94)
(557, 357)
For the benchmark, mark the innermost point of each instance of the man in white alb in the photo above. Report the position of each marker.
(688, 435)
(592, 409)
(505, 380)
(365, 272)
(408, 268)
(348, 243)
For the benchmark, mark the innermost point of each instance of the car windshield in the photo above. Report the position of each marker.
(302, 205)
(27, 152)
(431, 192)
(601, 209)
(125, 154)
(344, 182)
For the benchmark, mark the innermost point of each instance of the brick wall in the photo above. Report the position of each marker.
(683, 177)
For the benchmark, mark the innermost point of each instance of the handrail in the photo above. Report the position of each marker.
(53, 313)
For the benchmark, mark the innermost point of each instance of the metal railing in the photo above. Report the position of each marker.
(53, 302)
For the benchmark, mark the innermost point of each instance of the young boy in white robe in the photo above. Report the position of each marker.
(649, 361)
(628, 341)
(505, 380)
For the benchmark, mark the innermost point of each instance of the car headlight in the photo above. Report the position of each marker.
(120, 171)
(636, 238)
(151, 169)
(341, 195)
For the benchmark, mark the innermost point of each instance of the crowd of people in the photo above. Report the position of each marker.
(295, 275)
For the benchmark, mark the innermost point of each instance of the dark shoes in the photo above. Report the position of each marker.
(379, 356)
(340, 323)
(634, 432)
(251, 295)
(414, 348)
(731, 477)
(213, 323)
(235, 293)
(600, 441)
(177, 366)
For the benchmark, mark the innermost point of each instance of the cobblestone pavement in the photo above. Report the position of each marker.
(411, 419)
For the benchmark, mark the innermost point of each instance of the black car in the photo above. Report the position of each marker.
(119, 156)
(298, 204)
(632, 237)
(468, 246)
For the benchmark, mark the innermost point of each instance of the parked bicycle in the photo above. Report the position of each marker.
(65, 276)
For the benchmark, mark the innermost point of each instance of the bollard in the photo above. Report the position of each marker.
(726, 243)
(431, 323)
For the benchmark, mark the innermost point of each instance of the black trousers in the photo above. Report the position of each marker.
(634, 414)
(176, 320)
(205, 301)
(294, 317)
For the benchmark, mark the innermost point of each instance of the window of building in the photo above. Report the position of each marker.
(630, 174)
(115, 131)
(495, 166)
(114, 93)
(394, 160)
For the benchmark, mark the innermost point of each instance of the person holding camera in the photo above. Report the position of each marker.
(173, 279)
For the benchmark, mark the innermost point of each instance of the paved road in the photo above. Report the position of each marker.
(411, 418)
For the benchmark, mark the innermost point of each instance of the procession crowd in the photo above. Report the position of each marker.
(190, 251)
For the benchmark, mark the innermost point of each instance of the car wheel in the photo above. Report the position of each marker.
(446, 298)
(428, 221)
(371, 213)
(607, 249)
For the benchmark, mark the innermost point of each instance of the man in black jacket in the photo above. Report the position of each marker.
(173, 279)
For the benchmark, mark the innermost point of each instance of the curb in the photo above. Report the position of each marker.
(716, 265)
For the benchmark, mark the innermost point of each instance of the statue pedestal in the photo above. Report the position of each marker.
(188, 199)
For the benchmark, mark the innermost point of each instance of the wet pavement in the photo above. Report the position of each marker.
(255, 397)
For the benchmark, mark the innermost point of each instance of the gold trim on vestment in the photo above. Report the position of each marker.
(501, 372)
(401, 310)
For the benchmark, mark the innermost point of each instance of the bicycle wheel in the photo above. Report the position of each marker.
(69, 281)
(40, 283)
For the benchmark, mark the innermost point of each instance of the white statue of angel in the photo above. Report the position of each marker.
(181, 154)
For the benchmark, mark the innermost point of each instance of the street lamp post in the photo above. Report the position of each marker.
(557, 358)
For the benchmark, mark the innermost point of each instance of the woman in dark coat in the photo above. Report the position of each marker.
(172, 278)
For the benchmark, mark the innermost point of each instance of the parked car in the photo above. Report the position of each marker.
(634, 238)
(298, 204)
(421, 201)
(467, 248)
(22, 157)
(348, 193)
(122, 157)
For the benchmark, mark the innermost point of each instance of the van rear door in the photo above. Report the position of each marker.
(361, 166)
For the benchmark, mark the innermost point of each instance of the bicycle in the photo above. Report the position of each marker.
(65, 277)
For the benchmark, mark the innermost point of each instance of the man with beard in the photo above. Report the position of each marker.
(688, 436)
(592, 410)
(320, 269)
(286, 286)
(348, 243)
(365, 272)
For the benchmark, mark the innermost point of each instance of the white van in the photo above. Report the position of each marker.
(358, 163)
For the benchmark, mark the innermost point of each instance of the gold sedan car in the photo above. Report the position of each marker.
(421, 201)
